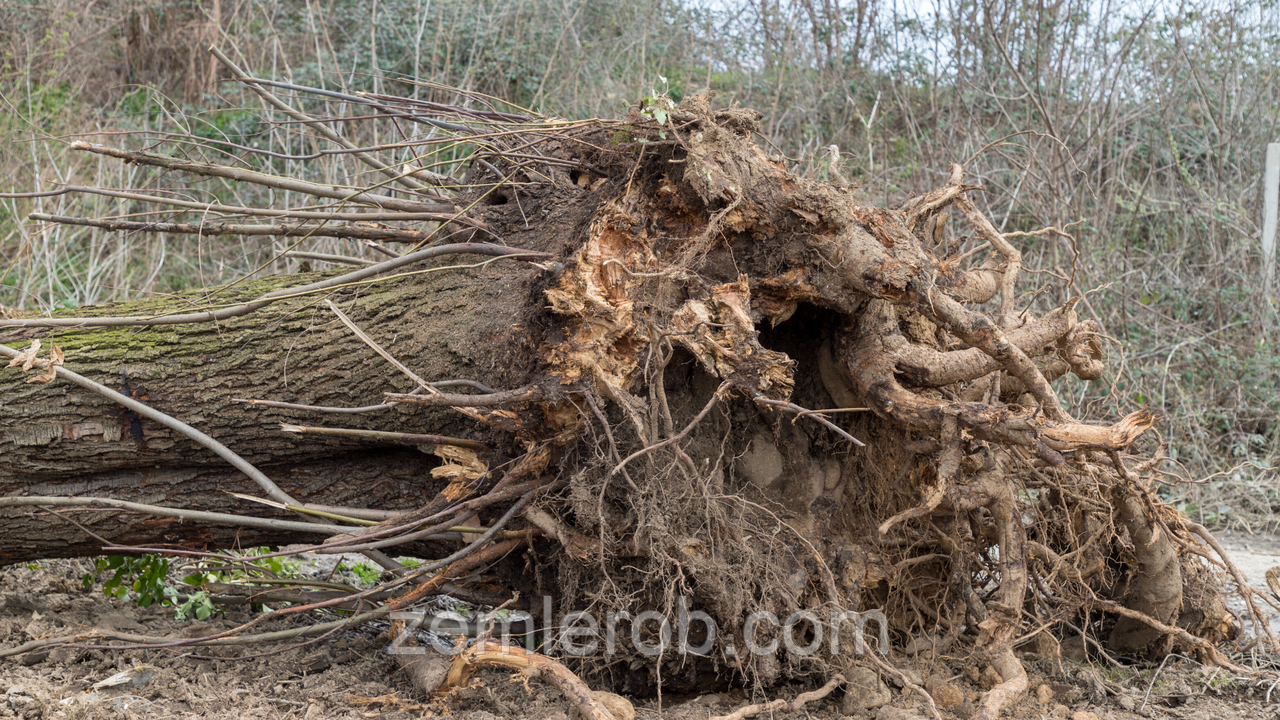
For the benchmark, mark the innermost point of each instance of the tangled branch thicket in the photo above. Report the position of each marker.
(719, 381)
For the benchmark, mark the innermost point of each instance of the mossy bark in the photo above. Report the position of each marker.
(60, 439)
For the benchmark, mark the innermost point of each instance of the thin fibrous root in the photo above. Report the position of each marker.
(802, 412)
(715, 397)
(492, 652)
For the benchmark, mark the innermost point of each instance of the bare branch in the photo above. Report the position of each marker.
(355, 232)
(347, 195)
(417, 439)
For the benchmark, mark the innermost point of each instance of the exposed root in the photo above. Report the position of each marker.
(1246, 591)
(425, 672)
(1005, 612)
(1156, 587)
(1210, 652)
(906, 683)
(1007, 693)
(784, 706)
(491, 652)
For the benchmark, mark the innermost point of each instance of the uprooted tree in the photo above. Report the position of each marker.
(650, 362)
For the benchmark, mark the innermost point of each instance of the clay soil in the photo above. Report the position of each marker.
(349, 676)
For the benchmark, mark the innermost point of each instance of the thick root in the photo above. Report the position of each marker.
(783, 706)
(490, 652)
(1007, 693)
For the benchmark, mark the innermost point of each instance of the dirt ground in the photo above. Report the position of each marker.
(349, 676)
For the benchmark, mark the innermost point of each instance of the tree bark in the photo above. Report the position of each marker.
(385, 479)
(62, 440)
(445, 326)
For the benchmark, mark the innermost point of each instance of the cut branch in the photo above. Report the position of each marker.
(179, 513)
(217, 208)
(529, 393)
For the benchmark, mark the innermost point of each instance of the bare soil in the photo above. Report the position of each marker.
(350, 676)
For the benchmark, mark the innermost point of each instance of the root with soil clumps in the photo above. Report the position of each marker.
(724, 389)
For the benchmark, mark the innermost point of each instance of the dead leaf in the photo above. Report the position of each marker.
(27, 358)
(56, 358)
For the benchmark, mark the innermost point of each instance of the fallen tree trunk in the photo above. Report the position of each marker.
(385, 479)
(62, 440)
(706, 383)
(297, 352)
